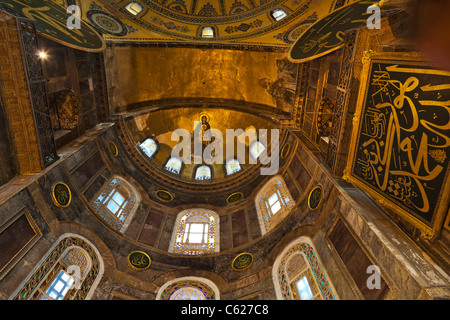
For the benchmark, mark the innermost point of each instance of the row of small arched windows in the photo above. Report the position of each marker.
(206, 32)
(174, 165)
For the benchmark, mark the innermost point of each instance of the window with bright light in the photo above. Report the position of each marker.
(196, 232)
(149, 147)
(59, 287)
(256, 149)
(116, 203)
(232, 166)
(278, 14)
(273, 202)
(203, 173)
(174, 165)
(134, 8)
(207, 32)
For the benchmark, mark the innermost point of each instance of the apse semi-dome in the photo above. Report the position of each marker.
(155, 138)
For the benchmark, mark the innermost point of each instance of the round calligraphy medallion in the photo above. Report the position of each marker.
(315, 198)
(106, 23)
(285, 150)
(164, 195)
(242, 262)
(235, 197)
(61, 195)
(113, 148)
(139, 260)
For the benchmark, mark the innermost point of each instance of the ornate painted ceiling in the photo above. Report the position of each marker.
(244, 22)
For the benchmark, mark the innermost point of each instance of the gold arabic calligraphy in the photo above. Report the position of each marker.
(416, 134)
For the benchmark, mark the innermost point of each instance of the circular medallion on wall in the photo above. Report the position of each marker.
(61, 195)
(113, 148)
(285, 150)
(242, 262)
(164, 195)
(235, 197)
(106, 23)
(315, 198)
(139, 260)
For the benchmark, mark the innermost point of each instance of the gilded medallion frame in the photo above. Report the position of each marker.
(285, 150)
(116, 150)
(234, 194)
(166, 192)
(431, 230)
(136, 268)
(237, 257)
(321, 197)
(55, 201)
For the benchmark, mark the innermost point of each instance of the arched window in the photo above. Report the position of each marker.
(134, 8)
(232, 166)
(174, 165)
(203, 173)
(273, 203)
(256, 149)
(69, 271)
(188, 288)
(207, 32)
(278, 14)
(117, 203)
(298, 274)
(149, 147)
(196, 232)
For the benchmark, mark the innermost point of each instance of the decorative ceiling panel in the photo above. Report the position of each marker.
(246, 22)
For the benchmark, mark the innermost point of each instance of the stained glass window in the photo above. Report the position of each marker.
(298, 274)
(189, 288)
(196, 232)
(278, 14)
(174, 165)
(134, 8)
(187, 293)
(256, 149)
(274, 203)
(68, 272)
(149, 147)
(232, 166)
(203, 173)
(115, 203)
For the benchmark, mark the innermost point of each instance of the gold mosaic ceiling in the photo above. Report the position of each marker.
(246, 22)
(160, 125)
